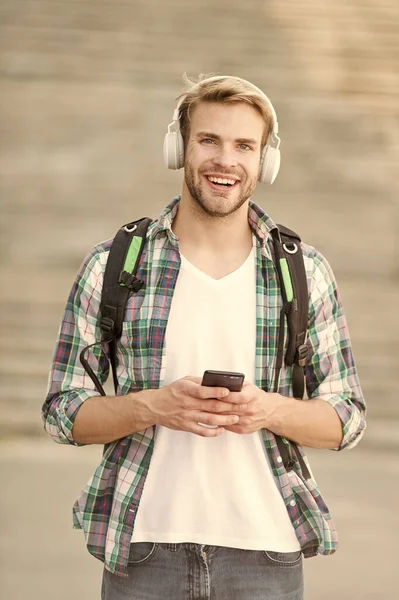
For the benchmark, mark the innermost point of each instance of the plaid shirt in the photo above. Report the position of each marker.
(107, 508)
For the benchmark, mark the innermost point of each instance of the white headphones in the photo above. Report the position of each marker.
(173, 147)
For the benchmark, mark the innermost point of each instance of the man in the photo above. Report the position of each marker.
(192, 498)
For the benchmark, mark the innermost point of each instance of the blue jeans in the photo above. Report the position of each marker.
(195, 572)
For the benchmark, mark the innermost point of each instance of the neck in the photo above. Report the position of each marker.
(211, 235)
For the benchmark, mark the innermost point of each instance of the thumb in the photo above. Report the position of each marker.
(194, 379)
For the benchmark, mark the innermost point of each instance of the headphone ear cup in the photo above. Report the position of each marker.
(173, 150)
(270, 164)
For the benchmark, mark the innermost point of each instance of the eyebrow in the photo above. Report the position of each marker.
(213, 136)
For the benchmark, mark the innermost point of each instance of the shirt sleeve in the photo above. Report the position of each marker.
(331, 373)
(69, 385)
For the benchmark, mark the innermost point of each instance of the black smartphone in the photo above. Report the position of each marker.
(227, 379)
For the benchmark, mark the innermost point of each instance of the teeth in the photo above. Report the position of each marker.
(223, 181)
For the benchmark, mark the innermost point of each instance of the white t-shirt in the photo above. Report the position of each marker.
(217, 491)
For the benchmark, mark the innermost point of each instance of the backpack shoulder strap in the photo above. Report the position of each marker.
(293, 281)
(119, 282)
(120, 276)
(294, 289)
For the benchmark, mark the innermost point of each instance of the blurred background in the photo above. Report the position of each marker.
(87, 89)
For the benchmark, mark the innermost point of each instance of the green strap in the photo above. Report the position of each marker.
(285, 271)
(132, 254)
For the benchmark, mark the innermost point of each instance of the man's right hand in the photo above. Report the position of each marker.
(185, 403)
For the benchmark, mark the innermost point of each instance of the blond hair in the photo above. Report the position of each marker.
(217, 88)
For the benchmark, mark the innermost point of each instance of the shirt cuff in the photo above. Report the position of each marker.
(62, 414)
(352, 419)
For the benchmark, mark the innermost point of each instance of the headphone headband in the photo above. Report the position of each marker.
(176, 114)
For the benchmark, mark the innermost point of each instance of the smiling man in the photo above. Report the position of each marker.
(192, 499)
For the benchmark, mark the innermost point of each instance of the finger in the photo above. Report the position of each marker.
(219, 420)
(205, 431)
(194, 379)
(239, 413)
(203, 391)
(235, 398)
(218, 406)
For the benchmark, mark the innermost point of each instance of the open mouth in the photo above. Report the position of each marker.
(219, 182)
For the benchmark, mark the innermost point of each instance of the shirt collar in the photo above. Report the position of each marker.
(165, 219)
(261, 224)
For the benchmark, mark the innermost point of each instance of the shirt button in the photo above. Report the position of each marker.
(293, 503)
(279, 459)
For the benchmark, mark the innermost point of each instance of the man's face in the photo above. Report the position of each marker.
(222, 155)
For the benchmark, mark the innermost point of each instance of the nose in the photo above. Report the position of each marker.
(225, 156)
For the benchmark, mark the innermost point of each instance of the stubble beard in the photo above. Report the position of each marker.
(199, 197)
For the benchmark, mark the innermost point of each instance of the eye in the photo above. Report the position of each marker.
(207, 141)
(244, 147)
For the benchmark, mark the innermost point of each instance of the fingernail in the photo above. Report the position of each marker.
(236, 419)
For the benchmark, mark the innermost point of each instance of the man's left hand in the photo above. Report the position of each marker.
(260, 405)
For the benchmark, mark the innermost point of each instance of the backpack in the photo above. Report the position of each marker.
(120, 282)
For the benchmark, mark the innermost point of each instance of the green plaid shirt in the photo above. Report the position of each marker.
(107, 508)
